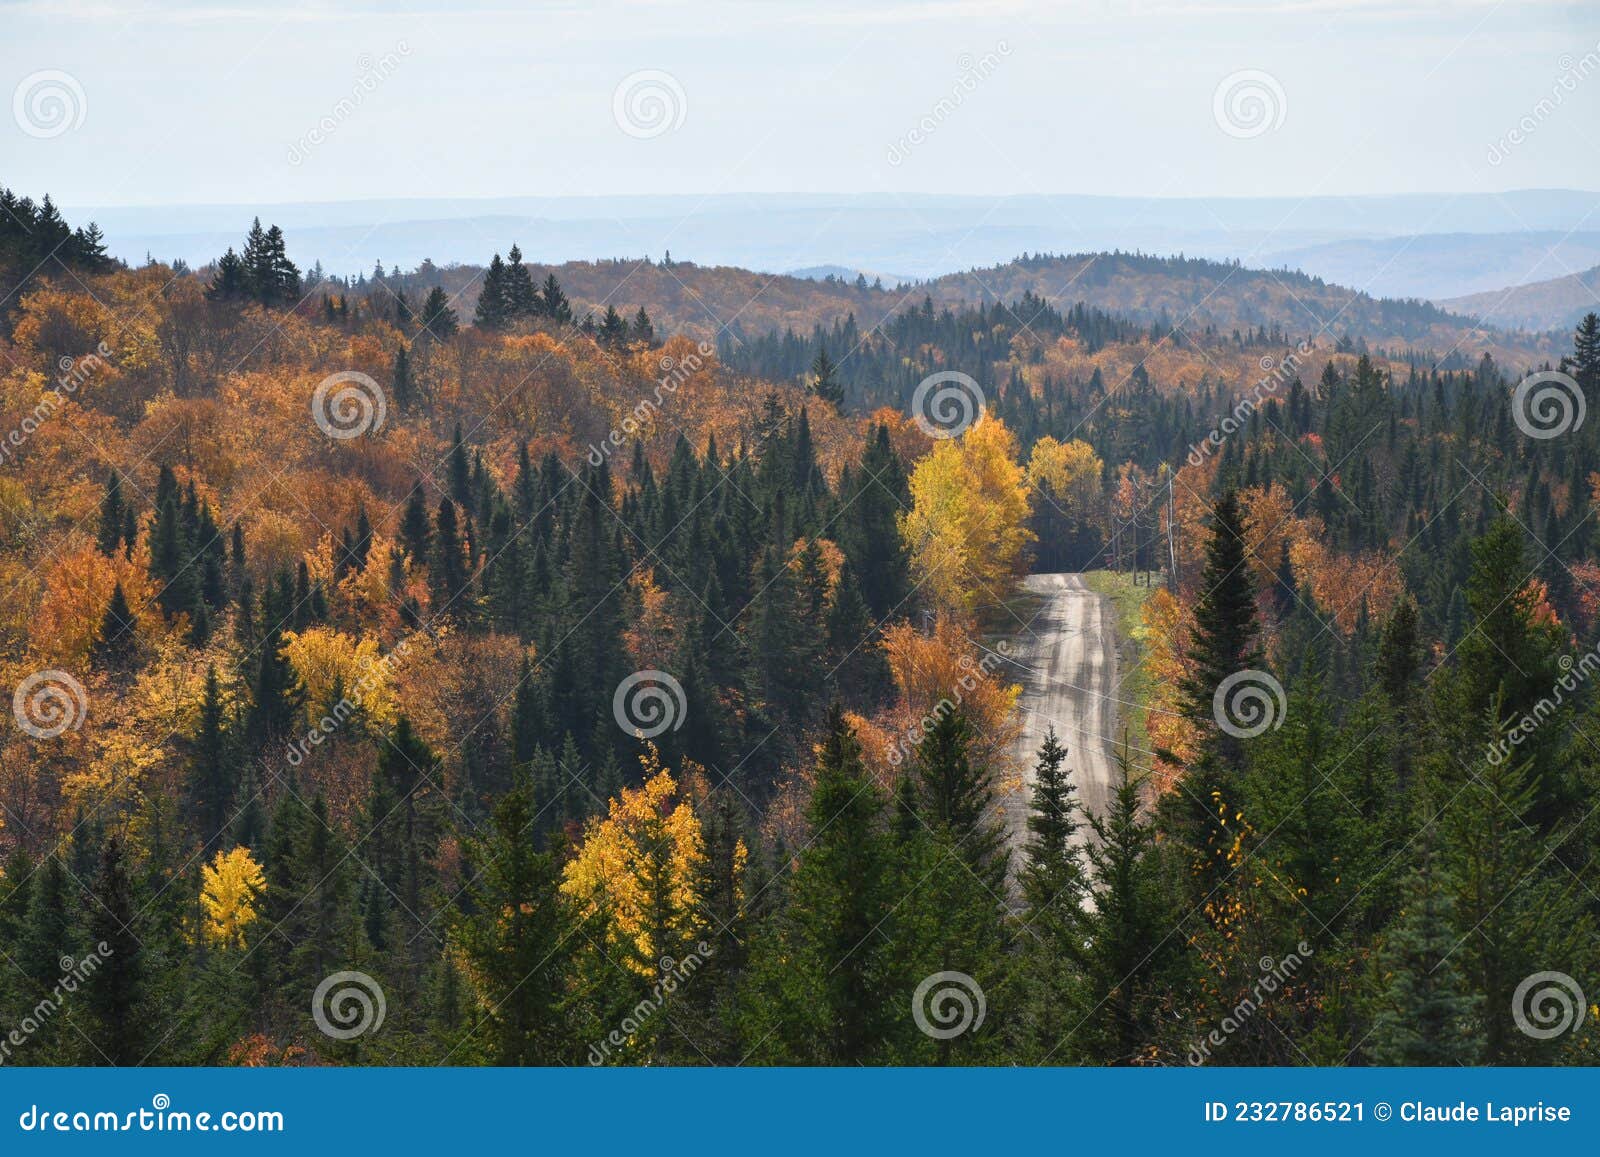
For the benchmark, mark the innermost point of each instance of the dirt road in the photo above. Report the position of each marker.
(1067, 665)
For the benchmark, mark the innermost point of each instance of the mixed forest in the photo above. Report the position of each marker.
(601, 689)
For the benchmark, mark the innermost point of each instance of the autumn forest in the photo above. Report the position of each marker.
(615, 663)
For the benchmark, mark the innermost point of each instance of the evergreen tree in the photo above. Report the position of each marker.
(117, 1000)
(113, 516)
(825, 382)
(556, 306)
(116, 644)
(1426, 1015)
(1223, 641)
(438, 317)
(522, 299)
(1128, 941)
(820, 989)
(956, 794)
(494, 305)
(517, 934)
(869, 529)
(211, 779)
(401, 385)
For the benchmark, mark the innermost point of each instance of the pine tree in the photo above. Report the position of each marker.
(613, 330)
(556, 305)
(643, 330)
(275, 687)
(447, 565)
(1128, 941)
(416, 529)
(172, 559)
(401, 385)
(855, 658)
(1586, 355)
(231, 282)
(956, 794)
(869, 528)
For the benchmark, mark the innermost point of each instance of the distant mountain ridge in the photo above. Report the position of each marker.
(1341, 239)
(707, 301)
(1558, 303)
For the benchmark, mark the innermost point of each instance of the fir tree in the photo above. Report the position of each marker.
(1426, 1014)
(116, 644)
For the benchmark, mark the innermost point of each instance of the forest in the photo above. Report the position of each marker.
(406, 674)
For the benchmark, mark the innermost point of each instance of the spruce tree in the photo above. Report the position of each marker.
(1223, 641)
(211, 779)
(438, 317)
(1426, 1014)
(955, 793)
(514, 928)
(494, 309)
(117, 999)
(522, 299)
(113, 516)
(116, 644)
(820, 990)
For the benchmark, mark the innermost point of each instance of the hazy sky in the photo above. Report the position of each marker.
(150, 101)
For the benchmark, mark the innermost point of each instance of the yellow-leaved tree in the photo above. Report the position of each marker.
(335, 667)
(230, 885)
(967, 526)
(1069, 474)
(638, 869)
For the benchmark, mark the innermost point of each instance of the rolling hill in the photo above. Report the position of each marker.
(1558, 303)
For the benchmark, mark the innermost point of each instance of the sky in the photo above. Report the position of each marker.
(139, 102)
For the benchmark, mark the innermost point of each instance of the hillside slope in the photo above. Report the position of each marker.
(1194, 294)
(1558, 303)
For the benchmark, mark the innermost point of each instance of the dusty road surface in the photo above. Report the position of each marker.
(1067, 665)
